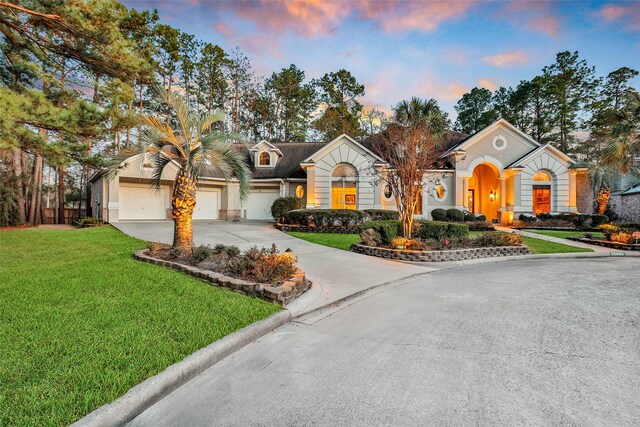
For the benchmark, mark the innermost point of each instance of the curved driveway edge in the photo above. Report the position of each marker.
(153, 389)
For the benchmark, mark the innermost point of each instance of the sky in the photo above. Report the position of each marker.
(399, 49)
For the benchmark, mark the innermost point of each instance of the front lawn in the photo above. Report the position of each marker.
(344, 241)
(81, 321)
(563, 234)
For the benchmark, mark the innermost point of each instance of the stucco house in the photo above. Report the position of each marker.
(499, 172)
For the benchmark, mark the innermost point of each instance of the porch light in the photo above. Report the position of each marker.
(492, 196)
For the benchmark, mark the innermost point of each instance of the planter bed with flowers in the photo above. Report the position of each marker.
(434, 241)
(617, 236)
(263, 273)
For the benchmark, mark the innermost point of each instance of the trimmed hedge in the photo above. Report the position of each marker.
(480, 226)
(468, 216)
(439, 230)
(455, 215)
(529, 218)
(324, 217)
(381, 214)
(388, 229)
(282, 205)
(439, 214)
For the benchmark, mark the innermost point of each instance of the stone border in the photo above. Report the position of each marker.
(282, 295)
(338, 229)
(439, 256)
(607, 243)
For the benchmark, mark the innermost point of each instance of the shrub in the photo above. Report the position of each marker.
(629, 226)
(481, 217)
(455, 215)
(175, 252)
(88, 222)
(325, 217)
(155, 247)
(380, 214)
(480, 226)
(219, 248)
(232, 251)
(469, 216)
(439, 214)
(597, 220)
(275, 267)
(387, 230)
(498, 238)
(438, 230)
(528, 218)
(282, 205)
(201, 253)
(399, 242)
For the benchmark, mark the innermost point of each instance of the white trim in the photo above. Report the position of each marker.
(468, 173)
(495, 145)
(568, 161)
(331, 145)
(271, 147)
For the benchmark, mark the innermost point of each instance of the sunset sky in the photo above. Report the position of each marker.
(399, 49)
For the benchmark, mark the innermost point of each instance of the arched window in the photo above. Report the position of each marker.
(387, 191)
(299, 191)
(541, 192)
(265, 159)
(344, 187)
(440, 192)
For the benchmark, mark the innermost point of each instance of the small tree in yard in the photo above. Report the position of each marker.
(410, 146)
(190, 142)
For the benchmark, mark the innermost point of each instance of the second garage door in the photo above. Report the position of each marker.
(140, 202)
(258, 204)
(207, 203)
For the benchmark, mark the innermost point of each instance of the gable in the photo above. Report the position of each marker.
(340, 149)
(133, 167)
(501, 141)
(546, 158)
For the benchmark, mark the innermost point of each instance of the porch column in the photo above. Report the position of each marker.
(459, 195)
(311, 186)
(113, 204)
(465, 193)
(517, 191)
(573, 199)
(503, 192)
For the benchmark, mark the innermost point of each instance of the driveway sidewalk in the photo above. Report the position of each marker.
(336, 273)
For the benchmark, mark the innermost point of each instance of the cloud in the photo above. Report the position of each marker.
(507, 59)
(627, 15)
(549, 25)
(449, 91)
(488, 84)
(224, 30)
(537, 16)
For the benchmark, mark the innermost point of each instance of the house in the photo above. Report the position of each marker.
(499, 172)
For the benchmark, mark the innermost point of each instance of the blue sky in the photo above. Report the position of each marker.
(399, 49)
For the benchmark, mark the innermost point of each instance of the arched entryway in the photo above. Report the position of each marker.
(484, 191)
(344, 187)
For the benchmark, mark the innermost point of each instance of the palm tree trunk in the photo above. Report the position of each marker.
(602, 200)
(183, 202)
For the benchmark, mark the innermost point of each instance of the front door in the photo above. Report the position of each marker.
(541, 199)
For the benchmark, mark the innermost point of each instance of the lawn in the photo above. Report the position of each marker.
(81, 321)
(344, 241)
(563, 234)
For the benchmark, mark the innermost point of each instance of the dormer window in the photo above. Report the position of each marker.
(264, 159)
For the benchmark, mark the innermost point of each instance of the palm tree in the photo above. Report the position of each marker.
(191, 143)
(418, 112)
(623, 151)
(601, 178)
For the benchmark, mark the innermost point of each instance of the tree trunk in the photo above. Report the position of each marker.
(36, 191)
(602, 200)
(183, 202)
(17, 172)
(61, 174)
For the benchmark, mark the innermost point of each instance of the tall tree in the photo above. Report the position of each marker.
(211, 78)
(572, 85)
(339, 91)
(475, 111)
(293, 100)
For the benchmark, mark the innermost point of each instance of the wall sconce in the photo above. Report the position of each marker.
(492, 196)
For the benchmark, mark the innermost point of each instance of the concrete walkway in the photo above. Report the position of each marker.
(336, 273)
(554, 239)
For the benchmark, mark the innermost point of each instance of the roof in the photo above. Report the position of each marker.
(633, 190)
(288, 166)
(547, 146)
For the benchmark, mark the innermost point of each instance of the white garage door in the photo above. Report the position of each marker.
(142, 202)
(207, 203)
(258, 204)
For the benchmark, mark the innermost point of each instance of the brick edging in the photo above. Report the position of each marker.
(338, 229)
(282, 295)
(438, 256)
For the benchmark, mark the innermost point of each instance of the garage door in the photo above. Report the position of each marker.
(207, 203)
(141, 202)
(258, 204)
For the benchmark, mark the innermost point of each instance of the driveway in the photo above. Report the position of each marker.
(537, 342)
(338, 273)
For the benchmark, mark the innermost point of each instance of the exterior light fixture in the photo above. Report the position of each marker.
(492, 196)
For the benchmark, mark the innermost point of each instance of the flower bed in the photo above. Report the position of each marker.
(607, 243)
(339, 229)
(439, 256)
(263, 273)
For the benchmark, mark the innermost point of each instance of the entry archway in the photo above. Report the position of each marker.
(484, 191)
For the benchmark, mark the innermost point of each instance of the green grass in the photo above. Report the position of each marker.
(562, 234)
(81, 321)
(538, 246)
(334, 240)
(344, 241)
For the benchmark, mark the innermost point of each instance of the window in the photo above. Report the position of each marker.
(499, 143)
(541, 192)
(440, 192)
(387, 192)
(299, 191)
(344, 187)
(265, 159)
(541, 176)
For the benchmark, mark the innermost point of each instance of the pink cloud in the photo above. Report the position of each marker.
(549, 25)
(432, 88)
(487, 84)
(534, 15)
(223, 29)
(507, 59)
(627, 15)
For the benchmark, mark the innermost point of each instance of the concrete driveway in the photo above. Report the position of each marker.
(538, 342)
(338, 273)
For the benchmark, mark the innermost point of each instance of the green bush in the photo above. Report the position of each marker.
(480, 226)
(597, 220)
(88, 222)
(455, 215)
(282, 205)
(481, 217)
(324, 217)
(439, 214)
(388, 229)
(381, 214)
(529, 218)
(202, 252)
(438, 230)
(268, 265)
(497, 238)
(468, 216)
(232, 251)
